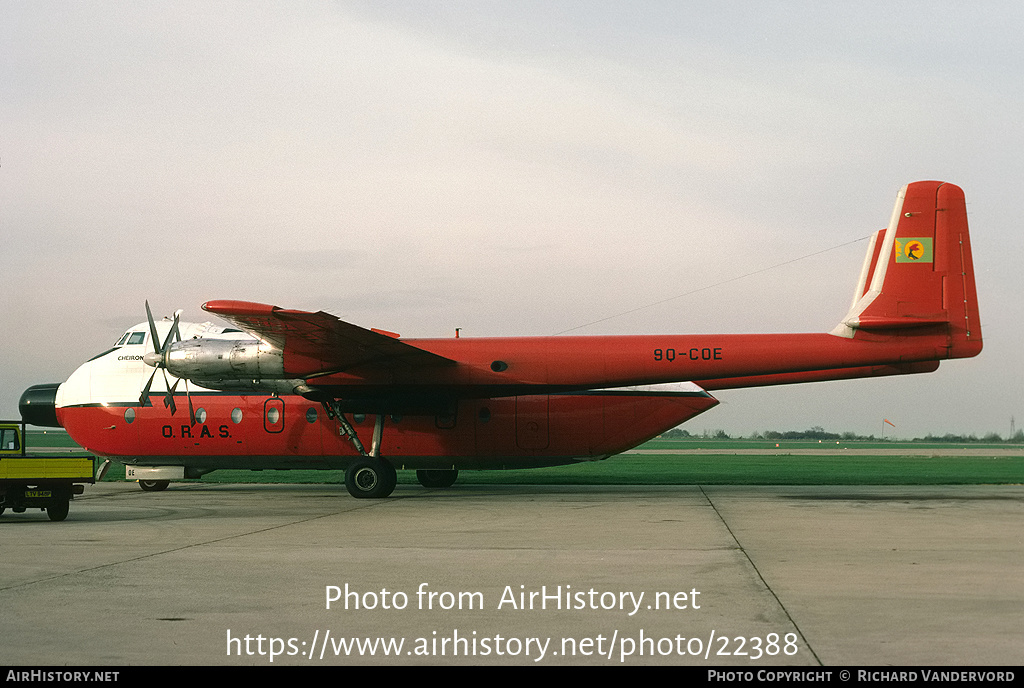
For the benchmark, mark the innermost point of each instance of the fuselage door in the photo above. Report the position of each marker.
(532, 422)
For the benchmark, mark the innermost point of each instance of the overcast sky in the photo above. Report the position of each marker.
(509, 168)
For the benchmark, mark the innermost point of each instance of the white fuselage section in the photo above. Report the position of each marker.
(118, 376)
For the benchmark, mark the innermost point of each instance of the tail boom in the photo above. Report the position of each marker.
(819, 375)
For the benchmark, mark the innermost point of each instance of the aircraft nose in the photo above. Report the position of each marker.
(38, 405)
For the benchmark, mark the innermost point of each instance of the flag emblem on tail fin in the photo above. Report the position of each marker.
(914, 250)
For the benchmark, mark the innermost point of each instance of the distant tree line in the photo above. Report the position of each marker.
(819, 433)
(990, 438)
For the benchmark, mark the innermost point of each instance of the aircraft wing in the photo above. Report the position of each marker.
(314, 343)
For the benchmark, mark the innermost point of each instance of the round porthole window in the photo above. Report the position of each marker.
(129, 415)
(273, 415)
(236, 416)
(311, 415)
(200, 415)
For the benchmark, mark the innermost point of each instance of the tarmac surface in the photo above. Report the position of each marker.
(230, 574)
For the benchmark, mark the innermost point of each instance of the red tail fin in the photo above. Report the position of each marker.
(919, 274)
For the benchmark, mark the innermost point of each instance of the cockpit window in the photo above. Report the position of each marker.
(136, 338)
(123, 339)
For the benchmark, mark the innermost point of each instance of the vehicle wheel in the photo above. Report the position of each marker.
(437, 478)
(370, 478)
(58, 511)
(154, 485)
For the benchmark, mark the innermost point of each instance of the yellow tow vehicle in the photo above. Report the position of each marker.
(29, 481)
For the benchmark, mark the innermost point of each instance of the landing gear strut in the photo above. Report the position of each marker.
(370, 476)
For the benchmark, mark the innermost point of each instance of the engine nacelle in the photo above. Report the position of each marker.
(224, 359)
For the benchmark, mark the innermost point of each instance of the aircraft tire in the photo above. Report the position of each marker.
(154, 485)
(58, 511)
(370, 478)
(438, 477)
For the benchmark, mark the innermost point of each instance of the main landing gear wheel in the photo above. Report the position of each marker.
(437, 478)
(370, 478)
(154, 485)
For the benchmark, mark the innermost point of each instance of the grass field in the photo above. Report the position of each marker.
(914, 466)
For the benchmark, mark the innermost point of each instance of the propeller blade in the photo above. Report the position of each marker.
(144, 397)
(177, 315)
(152, 329)
(174, 334)
(169, 398)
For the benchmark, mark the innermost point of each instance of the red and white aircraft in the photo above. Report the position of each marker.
(293, 389)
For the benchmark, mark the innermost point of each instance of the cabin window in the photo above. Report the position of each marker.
(129, 415)
(311, 415)
(236, 416)
(273, 414)
(200, 415)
